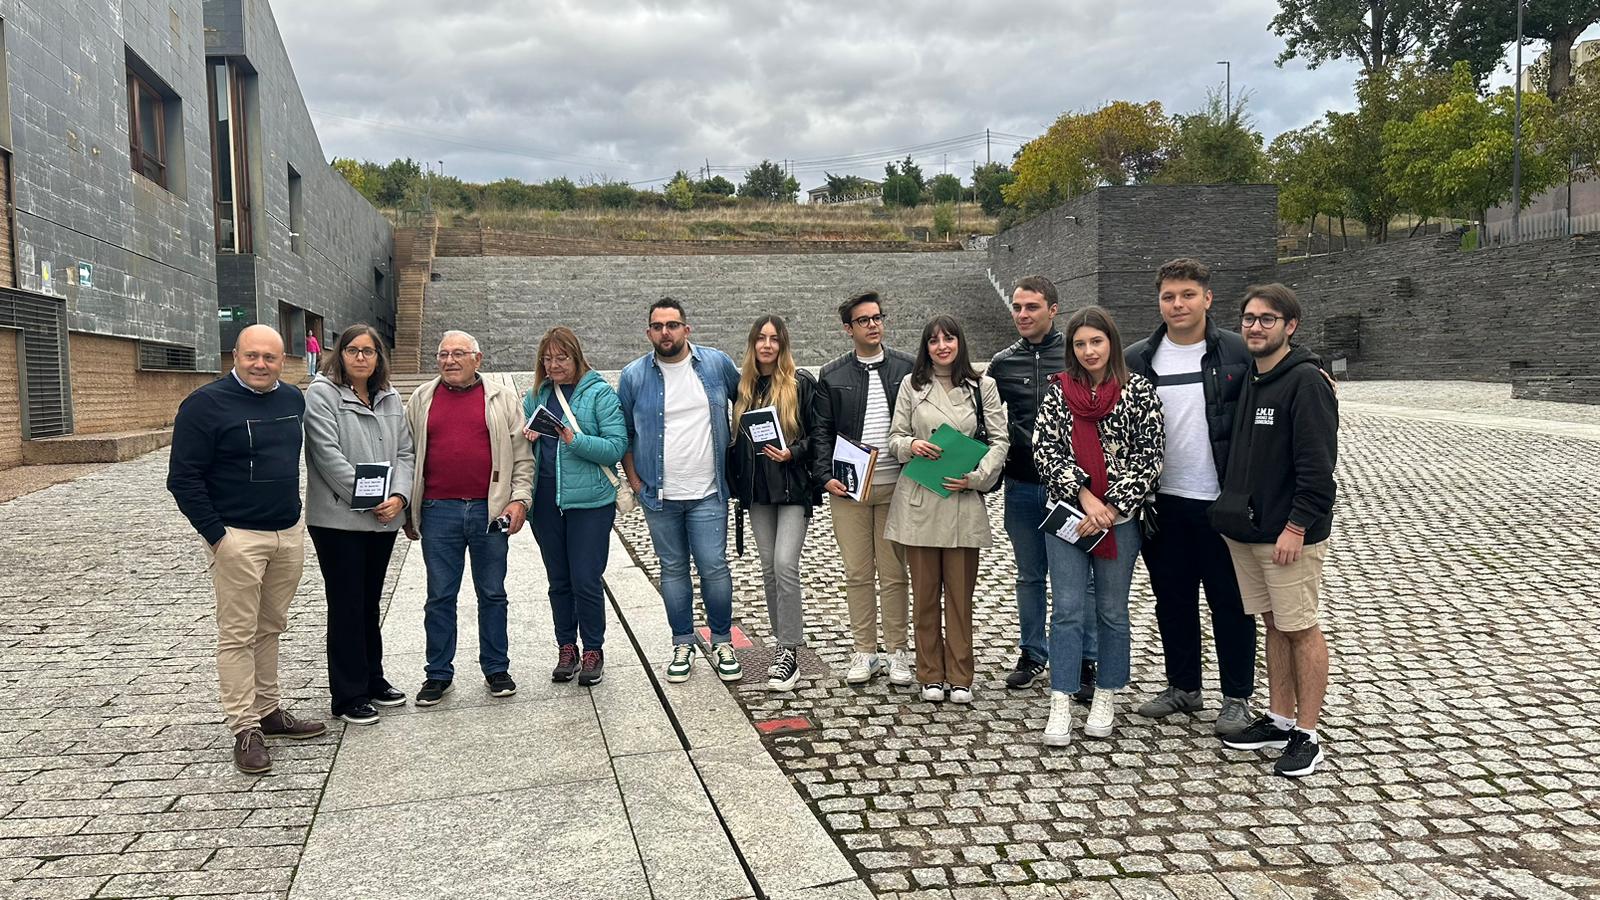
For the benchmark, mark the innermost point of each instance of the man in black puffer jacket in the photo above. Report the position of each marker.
(1276, 511)
(1198, 370)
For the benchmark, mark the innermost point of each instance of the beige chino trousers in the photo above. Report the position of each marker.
(255, 574)
(865, 552)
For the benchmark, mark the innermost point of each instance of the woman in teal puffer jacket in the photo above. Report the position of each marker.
(574, 503)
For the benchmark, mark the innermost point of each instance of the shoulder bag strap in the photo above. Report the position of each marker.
(556, 388)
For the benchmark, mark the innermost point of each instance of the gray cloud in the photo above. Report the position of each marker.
(636, 90)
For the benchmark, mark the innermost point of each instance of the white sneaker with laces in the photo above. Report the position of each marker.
(1100, 713)
(933, 693)
(864, 667)
(960, 694)
(900, 673)
(1058, 731)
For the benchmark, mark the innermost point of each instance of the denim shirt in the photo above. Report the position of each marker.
(642, 391)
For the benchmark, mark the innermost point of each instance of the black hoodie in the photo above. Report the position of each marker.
(1280, 467)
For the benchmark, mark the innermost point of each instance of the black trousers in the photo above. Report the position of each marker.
(1185, 554)
(353, 567)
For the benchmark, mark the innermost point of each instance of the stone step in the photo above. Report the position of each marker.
(117, 446)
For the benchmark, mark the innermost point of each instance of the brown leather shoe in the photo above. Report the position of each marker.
(250, 752)
(281, 724)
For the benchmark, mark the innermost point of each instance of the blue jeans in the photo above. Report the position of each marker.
(574, 544)
(681, 529)
(1069, 615)
(1024, 512)
(450, 530)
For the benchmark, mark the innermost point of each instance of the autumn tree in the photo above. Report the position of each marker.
(1120, 143)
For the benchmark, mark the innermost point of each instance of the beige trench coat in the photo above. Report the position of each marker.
(919, 517)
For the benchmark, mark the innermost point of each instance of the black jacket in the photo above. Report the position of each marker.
(842, 402)
(1226, 365)
(1022, 372)
(1285, 444)
(789, 483)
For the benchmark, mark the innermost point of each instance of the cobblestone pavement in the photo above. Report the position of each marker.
(116, 777)
(1465, 396)
(1460, 719)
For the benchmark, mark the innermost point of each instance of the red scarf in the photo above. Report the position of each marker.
(1088, 408)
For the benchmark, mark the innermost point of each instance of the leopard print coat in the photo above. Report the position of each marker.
(1132, 435)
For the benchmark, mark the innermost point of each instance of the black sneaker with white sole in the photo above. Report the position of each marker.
(433, 690)
(500, 684)
(785, 671)
(359, 715)
(1300, 758)
(1258, 735)
(389, 696)
(1024, 672)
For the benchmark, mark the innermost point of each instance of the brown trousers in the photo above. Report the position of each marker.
(865, 552)
(944, 654)
(255, 574)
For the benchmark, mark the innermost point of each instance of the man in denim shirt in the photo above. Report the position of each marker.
(675, 401)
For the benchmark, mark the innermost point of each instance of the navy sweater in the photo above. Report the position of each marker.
(236, 458)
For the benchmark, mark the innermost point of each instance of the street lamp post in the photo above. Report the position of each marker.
(1516, 142)
(1228, 69)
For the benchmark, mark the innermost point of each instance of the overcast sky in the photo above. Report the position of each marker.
(634, 91)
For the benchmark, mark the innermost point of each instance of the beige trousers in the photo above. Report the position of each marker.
(255, 574)
(944, 630)
(865, 552)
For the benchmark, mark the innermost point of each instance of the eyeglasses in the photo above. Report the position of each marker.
(443, 355)
(1267, 321)
(659, 327)
(361, 352)
(556, 360)
(864, 321)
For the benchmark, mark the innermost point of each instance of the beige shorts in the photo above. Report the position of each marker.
(1290, 593)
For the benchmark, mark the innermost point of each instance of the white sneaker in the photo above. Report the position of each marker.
(864, 667)
(1058, 731)
(1100, 712)
(933, 693)
(900, 673)
(960, 694)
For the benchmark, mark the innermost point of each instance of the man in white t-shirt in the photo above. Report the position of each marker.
(1198, 370)
(675, 402)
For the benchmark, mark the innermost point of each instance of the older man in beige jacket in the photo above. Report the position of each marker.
(473, 486)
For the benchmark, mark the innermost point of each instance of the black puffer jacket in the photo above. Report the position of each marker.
(842, 401)
(1022, 372)
(788, 483)
(1226, 364)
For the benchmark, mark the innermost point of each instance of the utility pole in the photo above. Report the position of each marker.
(1228, 70)
(986, 159)
(1516, 142)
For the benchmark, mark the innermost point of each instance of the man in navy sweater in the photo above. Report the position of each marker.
(235, 472)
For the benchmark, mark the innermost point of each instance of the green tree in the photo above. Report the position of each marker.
(680, 191)
(769, 182)
(945, 188)
(1577, 123)
(1479, 31)
(1120, 143)
(1379, 33)
(845, 187)
(1456, 156)
(944, 218)
(358, 175)
(509, 193)
(395, 180)
(1302, 164)
(1215, 145)
(902, 184)
(988, 181)
(716, 185)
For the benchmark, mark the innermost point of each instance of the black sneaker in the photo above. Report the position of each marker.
(1300, 758)
(360, 715)
(566, 663)
(1086, 675)
(389, 697)
(501, 685)
(592, 668)
(785, 671)
(1258, 735)
(1025, 671)
(433, 690)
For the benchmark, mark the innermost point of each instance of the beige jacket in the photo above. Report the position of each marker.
(510, 453)
(919, 517)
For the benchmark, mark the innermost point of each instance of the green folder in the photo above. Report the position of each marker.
(960, 457)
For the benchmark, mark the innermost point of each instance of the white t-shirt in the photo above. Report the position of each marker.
(689, 472)
(876, 422)
(1188, 470)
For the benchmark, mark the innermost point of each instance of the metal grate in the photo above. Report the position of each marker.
(47, 399)
(166, 357)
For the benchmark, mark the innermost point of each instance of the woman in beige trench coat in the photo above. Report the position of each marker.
(942, 535)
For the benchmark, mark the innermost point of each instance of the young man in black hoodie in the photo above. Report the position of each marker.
(1276, 512)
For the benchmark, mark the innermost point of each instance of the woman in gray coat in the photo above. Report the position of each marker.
(354, 417)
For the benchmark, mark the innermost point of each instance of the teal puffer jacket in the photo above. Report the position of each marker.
(581, 482)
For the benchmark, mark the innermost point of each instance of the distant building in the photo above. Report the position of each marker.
(870, 194)
(1586, 52)
(165, 188)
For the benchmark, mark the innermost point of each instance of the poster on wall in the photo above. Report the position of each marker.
(45, 284)
(85, 275)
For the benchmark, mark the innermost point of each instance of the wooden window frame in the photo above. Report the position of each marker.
(143, 97)
(239, 153)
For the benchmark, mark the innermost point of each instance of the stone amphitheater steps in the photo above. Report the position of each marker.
(509, 302)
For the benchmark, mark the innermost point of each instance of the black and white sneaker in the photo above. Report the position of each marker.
(1025, 671)
(433, 690)
(389, 696)
(785, 671)
(1258, 735)
(1300, 758)
(360, 715)
(500, 684)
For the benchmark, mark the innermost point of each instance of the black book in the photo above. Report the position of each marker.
(761, 426)
(545, 422)
(371, 485)
(1062, 520)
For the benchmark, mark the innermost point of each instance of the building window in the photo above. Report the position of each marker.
(230, 160)
(147, 129)
(296, 214)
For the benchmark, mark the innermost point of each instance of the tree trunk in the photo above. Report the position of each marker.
(1375, 58)
(1561, 61)
(1344, 235)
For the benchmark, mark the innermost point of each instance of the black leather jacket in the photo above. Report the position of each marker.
(790, 483)
(1022, 372)
(1225, 366)
(842, 401)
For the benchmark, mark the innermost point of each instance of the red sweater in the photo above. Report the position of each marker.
(458, 463)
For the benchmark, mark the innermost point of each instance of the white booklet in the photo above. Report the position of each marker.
(1063, 519)
(852, 466)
